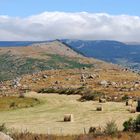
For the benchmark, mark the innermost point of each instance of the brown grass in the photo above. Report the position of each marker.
(119, 136)
(74, 81)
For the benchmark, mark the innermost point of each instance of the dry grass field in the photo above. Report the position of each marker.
(47, 117)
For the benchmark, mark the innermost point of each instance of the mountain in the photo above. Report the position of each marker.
(54, 65)
(36, 57)
(18, 43)
(125, 54)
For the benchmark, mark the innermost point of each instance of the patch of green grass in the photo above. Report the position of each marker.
(12, 66)
(59, 62)
(13, 102)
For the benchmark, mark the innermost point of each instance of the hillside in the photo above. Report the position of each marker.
(111, 51)
(48, 73)
(55, 65)
(16, 61)
(106, 79)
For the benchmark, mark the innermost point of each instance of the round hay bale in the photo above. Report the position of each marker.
(129, 102)
(134, 104)
(99, 108)
(133, 110)
(68, 118)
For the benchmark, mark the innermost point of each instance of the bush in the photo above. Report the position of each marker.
(89, 95)
(125, 97)
(132, 124)
(86, 94)
(111, 128)
(3, 128)
(137, 123)
(48, 90)
(13, 105)
(67, 91)
(129, 125)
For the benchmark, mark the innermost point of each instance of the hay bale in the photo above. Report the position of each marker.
(132, 110)
(134, 104)
(102, 100)
(99, 108)
(129, 102)
(68, 118)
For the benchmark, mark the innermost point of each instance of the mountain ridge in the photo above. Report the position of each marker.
(110, 51)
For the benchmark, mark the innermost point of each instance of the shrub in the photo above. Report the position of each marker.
(129, 125)
(132, 124)
(3, 128)
(13, 105)
(89, 95)
(86, 94)
(137, 123)
(111, 128)
(125, 97)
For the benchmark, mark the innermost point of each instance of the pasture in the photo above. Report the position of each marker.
(47, 117)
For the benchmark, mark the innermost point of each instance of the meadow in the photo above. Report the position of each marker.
(47, 117)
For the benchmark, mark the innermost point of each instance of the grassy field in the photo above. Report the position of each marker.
(13, 102)
(48, 116)
(13, 66)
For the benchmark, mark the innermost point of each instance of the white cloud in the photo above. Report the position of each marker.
(83, 25)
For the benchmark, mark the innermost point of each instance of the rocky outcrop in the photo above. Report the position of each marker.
(4, 136)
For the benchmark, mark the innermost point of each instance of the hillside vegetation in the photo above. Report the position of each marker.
(17, 61)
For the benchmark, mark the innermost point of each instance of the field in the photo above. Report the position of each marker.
(14, 102)
(47, 117)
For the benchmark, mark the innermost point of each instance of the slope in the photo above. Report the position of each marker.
(111, 51)
(16, 61)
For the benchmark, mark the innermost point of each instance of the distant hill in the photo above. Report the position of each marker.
(111, 51)
(18, 43)
(15, 43)
(16, 61)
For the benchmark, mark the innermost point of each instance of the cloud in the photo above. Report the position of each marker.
(82, 25)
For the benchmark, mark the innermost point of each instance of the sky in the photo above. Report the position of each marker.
(73, 19)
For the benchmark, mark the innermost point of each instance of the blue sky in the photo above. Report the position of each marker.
(72, 19)
(24, 8)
